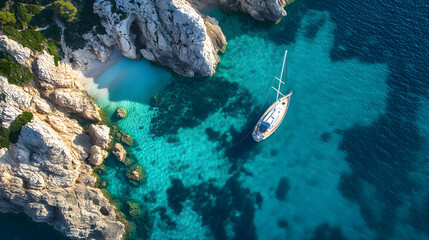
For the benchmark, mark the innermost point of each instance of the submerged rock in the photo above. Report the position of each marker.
(119, 151)
(126, 139)
(135, 175)
(120, 113)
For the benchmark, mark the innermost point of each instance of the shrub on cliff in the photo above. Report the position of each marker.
(42, 19)
(23, 13)
(7, 18)
(4, 138)
(13, 71)
(27, 38)
(17, 125)
(64, 10)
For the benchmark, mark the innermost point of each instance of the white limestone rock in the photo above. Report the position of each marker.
(16, 50)
(62, 86)
(100, 134)
(119, 151)
(44, 174)
(260, 10)
(97, 155)
(169, 32)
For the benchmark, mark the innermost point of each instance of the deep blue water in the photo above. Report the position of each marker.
(350, 161)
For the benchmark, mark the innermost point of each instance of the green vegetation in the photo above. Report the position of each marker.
(24, 13)
(115, 9)
(53, 49)
(2, 3)
(43, 19)
(17, 125)
(85, 21)
(26, 16)
(133, 209)
(4, 138)
(28, 38)
(13, 71)
(64, 10)
(7, 18)
(52, 32)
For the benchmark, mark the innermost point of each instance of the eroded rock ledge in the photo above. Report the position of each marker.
(45, 174)
(169, 32)
(172, 33)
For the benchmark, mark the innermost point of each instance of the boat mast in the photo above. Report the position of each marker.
(281, 77)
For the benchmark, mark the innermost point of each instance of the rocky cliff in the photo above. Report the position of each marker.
(170, 32)
(44, 173)
(260, 10)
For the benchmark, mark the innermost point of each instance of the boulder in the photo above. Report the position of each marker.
(62, 86)
(119, 151)
(120, 113)
(96, 155)
(260, 10)
(100, 135)
(16, 50)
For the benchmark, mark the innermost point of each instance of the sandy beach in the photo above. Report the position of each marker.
(87, 76)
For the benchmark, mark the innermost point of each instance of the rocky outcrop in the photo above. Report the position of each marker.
(119, 152)
(120, 113)
(20, 53)
(96, 155)
(100, 134)
(97, 46)
(62, 86)
(44, 173)
(169, 32)
(260, 10)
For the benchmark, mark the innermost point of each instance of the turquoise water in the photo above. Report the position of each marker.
(350, 161)
(331, 171)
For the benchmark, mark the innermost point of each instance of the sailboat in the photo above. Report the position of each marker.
(274, 115)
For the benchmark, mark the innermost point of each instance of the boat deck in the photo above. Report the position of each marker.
(284, 105)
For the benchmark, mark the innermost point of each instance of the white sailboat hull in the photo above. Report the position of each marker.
(271, 119)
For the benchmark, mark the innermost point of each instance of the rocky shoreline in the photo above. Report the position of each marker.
(171, 33)
(47, 172)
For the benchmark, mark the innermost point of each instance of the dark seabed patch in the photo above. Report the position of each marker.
(326, 232)
(177, 193)
(325, 137)
(282, 189)
(384, 153)
(186, 103)
(219, 207)
(21, 227)
(162, 211)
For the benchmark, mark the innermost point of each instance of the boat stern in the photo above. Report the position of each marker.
(257, 138)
